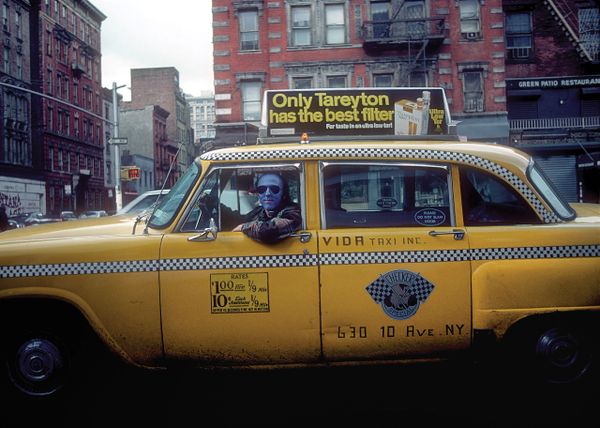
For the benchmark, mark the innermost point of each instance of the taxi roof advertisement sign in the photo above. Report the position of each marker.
(364, 111)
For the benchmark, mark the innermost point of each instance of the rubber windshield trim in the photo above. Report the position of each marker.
(558, 199)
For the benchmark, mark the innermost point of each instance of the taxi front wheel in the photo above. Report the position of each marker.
(38, 364)
(45, 360)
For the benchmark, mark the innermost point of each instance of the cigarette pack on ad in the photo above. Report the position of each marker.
(412, 117)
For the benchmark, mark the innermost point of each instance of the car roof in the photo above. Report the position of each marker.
(473, 153)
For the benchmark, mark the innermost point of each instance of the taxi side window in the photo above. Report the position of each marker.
(488, 200)
(229, 197)
(386, 196)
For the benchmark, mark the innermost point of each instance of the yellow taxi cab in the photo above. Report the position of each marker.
(413, 244)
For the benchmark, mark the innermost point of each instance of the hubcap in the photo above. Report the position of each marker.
(564, 355)
(558, 348)
(38, 362)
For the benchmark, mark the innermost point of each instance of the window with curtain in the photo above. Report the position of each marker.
(519, 40)
(301, 25)
(469, 17)
(251, 100)
(248, 30)
(335, 24)
(380, 12)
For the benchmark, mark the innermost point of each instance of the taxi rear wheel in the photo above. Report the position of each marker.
(554, 351)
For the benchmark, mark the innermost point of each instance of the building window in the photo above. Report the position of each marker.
(417, 78)
(19, 25)
(589, 31)
(383, 80)
(19, 64)
(49, 82)
(473, 91)
(6, 57)
(470, 25)
(51, 159)
(251, 100)
(335, 24)
(5, 18)
(518, 35)
(380, 12)
(249, 30)
(50, 119)
(301, 26)
(302, 82)
(48, 43)
(337, 82)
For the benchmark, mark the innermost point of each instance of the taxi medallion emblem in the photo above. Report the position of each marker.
(400, 293)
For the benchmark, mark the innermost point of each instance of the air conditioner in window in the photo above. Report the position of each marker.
(471, 36)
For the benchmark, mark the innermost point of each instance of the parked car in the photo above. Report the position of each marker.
(18, 219)
(39, 218)
(143, 202)
(93, 213)
(14, 224)
(68, 216)
(410, 248)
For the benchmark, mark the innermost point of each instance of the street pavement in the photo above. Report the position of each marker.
(441, 394)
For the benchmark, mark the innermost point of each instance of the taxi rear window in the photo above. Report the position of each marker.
(385, 195)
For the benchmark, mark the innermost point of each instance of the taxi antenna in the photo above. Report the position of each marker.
(161, 190)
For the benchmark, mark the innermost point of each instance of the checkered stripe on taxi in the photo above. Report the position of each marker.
(299, 260)
(87, 268)
(435, 256)
(292, 260)
(374, 152)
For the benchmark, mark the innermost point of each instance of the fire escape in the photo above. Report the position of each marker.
(580, 25)
(409, 34)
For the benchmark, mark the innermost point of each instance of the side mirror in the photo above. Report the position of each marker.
(208, 234)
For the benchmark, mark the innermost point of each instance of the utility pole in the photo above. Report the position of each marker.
(116, 141)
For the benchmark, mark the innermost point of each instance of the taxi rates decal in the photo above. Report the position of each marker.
(400, 292)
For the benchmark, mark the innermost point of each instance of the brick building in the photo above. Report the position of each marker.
(261, 45)
(22, 186)
(65, 64)
(160, 86)
(553, 90)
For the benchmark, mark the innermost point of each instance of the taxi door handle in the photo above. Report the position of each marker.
(458, 233)
(304, 236)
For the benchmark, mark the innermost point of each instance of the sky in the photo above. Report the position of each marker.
(155, 33)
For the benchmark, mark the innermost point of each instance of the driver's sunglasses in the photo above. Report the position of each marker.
(274, 189)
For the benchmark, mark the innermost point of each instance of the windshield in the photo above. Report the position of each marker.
(171, 202)
(545, 187)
